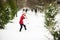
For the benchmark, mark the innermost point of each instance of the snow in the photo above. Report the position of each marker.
(35, 28)
(58, 22)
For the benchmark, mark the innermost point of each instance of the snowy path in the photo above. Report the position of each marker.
(35, 28)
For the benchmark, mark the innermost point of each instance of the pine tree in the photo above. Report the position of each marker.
(50, 12)
(8, 10)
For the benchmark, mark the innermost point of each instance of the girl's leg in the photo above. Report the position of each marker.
(20, 27)
(24, 26)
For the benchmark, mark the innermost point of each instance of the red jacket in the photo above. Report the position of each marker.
(21, 19)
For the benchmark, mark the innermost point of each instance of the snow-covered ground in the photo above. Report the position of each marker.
(35, 28)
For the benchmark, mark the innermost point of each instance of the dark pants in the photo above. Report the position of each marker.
(22, 26)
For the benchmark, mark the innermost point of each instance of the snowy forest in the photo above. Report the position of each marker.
(43, 22)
